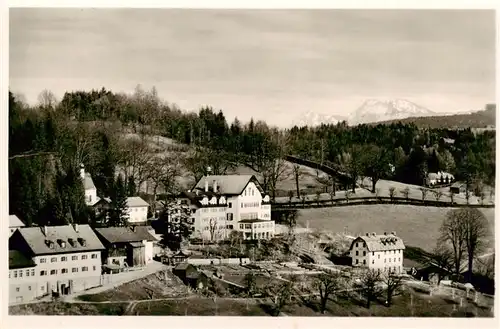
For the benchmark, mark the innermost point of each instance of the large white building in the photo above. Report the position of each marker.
(225, 203)
(383, 253)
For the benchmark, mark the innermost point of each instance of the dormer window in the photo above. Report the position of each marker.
(82, 242)
(71, 242)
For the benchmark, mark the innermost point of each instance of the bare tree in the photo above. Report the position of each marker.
(476, 230)
(162, 171)
(424, 191)
(437, 194)
(318, 197)
(453, 232)
(393, 283)
(47, 99)
(328, 181)
(406, 192)
(370, 282)
(280, 294)
(327, 285)
(392, 192)
(290, 196)
(442, 258)
(298, 172)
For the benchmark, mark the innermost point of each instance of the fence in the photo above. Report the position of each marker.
(218, 261)
(371, 200)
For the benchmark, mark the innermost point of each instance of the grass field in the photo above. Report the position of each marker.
(60, 308)
(417, 226)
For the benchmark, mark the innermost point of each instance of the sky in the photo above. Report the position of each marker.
(272, 65)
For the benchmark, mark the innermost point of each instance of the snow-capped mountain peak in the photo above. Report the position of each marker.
(313, 119)
(374, 110)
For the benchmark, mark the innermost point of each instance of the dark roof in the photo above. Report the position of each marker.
(256, 220)
(228, 184)
(124, 234)
(180, 254)
(18, 260)
(60, 239)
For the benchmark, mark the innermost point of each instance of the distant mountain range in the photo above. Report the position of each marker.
(387, 111)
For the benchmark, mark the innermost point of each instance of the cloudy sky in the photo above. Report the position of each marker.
(270, 64)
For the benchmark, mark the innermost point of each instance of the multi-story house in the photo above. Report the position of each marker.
(383, 253)
(62, 259)
(137, 210)
(91, 197)
(225, 203)
(14, 224)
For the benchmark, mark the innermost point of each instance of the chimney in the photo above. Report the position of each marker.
(374, 234)
(215, 186)
(367, 234)
(76, 228)
(393, 233)
(385, 233)
(82, 171)
(206, 184)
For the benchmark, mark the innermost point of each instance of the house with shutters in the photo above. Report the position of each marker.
(53, 259)
(383, 253)
(221, 204)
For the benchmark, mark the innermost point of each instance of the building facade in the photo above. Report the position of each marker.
(91, 197)
(62, 259)
(226, 203)
(137, 210)
(383, 253)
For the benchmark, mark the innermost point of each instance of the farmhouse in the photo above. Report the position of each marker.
(381, 252)
(226, 203)
(53, 259)
(125, 247)
(137, 209)
(14, 224)
(91, 197)
(440, 177)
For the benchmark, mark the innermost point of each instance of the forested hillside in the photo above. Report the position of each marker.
(49, 141)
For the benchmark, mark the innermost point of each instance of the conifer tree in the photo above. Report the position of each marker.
(118, 215)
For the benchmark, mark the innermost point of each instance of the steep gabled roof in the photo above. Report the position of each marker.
(228, 184)
(380, 242)
(14, 221)
(124, 234)
(60, 239)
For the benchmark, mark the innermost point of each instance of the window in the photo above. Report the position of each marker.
(399, 259)
(364, 253)
(389, 260)
(27, 272)
(230, 205)
(394, 259)
(53, 272)
(245, 192)
(42, 288)
(20, 273)
(74, 257)
(74, 270)
(64, 271)
(364, 244)
(373, 253)
(94, 256)
(15, 274)
(42, 260)
(385, 260)
(241, 226)
(252, 192)
(85, 269)
(42, 273)
(17, 289)
(94, 267)
(242, 205)
(84, 256)
(53, 259)
(64, 258)
(373, 261)
(357, 253)
(364, 261)
(29, 288)
(379, 256)
(356, 244)
(357, 261)
(33, 272)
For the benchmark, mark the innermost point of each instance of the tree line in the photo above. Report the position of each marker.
(49, 141)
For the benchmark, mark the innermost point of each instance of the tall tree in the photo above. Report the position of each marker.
(118, 215)
(453, 232)
(327, 285)
(476, 231)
